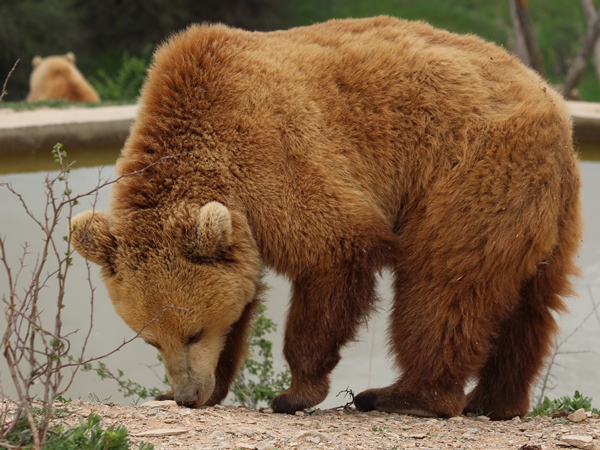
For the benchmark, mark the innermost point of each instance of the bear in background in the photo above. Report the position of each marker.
(57, 78)
(327, 153)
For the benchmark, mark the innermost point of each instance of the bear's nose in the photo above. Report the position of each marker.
(188, 400)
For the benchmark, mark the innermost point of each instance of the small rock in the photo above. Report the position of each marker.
(472, 430)
(158, 404)
(468, 437)
(585, 442)
(299, 413)
(245, 446)
(456, 419)
(516, 419)
(418, 435)
(483, 418)
(310, 435)
(577, 416)
(162, 432)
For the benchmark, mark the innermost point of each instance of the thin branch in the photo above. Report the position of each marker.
(4, 91)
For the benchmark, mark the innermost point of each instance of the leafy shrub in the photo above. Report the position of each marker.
(563, 405)
(127, 387)
(257, 382)
(126, 82)
(89, 435)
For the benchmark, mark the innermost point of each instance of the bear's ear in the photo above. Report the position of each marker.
(70, 57)
(36, 60)
(211, 235)
(91, 237)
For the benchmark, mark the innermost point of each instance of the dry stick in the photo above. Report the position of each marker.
(594, 304)
(558, 345)
(578, 66)
(4, 91)
(125, 342)
(25, 322)
(26, 315)
(13, 359)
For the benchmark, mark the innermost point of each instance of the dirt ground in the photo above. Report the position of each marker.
(168, 426)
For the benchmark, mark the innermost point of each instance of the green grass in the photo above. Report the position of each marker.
(60, 104)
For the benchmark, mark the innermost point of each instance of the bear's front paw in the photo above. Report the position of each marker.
(365, 401)
(290, 401)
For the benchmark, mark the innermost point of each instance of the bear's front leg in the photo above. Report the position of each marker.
(233, 354)
(324, 315)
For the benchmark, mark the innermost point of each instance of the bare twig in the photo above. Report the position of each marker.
(545, 384)
(4, 91)
(37, 353)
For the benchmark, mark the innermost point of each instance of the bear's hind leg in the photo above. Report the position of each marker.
(439, 341)
(520, 348)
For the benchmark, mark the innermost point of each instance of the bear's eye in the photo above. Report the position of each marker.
(194, 338)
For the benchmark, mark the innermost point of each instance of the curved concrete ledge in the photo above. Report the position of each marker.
(109, 125)
(586, 120)
(75, 127)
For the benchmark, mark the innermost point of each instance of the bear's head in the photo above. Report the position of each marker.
(180, 278)
(68, 59)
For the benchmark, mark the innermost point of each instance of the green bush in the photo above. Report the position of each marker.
(126, 82)
(257, 382)
(563, 405)
(127, 387)
(89, 435)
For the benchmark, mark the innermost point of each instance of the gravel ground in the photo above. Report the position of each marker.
(168, 426)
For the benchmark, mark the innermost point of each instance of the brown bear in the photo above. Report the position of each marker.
(328, 153)
(57, 78)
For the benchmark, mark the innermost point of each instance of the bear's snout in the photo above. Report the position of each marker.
(192, 391)
(187, 399)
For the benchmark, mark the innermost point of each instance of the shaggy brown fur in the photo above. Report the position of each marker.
(57, 78)
(337, 150)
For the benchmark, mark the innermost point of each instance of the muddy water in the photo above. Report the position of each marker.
(364, 364)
